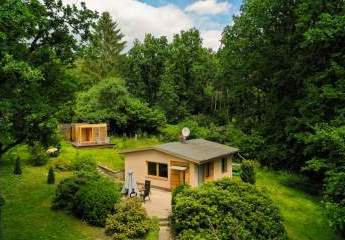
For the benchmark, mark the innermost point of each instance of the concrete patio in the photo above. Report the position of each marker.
(159, 206)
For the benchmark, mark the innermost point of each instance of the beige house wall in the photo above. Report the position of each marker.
(137, 162)
(218, 169)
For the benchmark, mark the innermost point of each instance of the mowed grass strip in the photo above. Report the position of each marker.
(303, 215)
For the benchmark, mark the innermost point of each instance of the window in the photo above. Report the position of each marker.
(207, 169)
(157, 169)
(152, 168)
(163, 170)
(224, 165)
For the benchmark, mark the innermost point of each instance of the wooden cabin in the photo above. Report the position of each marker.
(171, 164)
(86, 134)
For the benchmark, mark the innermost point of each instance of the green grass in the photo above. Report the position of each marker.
(108, 157)
(27, 214)
(303, 214)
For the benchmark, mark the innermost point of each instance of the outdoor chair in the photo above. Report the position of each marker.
(145, 192)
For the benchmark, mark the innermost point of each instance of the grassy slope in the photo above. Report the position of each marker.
(108, 157)
(303, 214)
(27, 213)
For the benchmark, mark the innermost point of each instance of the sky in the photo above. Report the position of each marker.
(168, 17)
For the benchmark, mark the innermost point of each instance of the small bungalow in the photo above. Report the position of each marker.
(171, 164)
(86, 134)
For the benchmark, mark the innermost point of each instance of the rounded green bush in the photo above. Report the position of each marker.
(39, 157)
(95, 201)
(226, 209)
(129, 221)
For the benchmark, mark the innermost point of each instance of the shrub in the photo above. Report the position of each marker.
(62, 164)
(2, 202)
(39, 157)
(51, 176)
(248, 171)
(226, 209)
(129, 221)
(334, 197)
(178, 190)
(84, 162)
(17, 168)
(95, 201)
(67, 189)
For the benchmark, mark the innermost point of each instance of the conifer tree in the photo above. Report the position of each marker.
(17, 168)
(51, 176)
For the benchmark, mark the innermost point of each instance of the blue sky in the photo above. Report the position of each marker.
(168, 17)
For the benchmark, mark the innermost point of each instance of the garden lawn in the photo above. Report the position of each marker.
(108, 157)
(303, 214)
(27, 214)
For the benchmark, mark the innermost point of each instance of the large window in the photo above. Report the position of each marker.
(157, 169)
(207, 169)
(224, 165)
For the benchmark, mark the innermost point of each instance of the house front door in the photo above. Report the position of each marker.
(177, 178)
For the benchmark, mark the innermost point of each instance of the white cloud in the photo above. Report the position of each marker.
(137, 18)
(212, 7)
(211, 39)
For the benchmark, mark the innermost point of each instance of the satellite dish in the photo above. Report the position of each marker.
(185, 132)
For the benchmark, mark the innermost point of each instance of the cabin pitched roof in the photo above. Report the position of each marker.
(195, 150)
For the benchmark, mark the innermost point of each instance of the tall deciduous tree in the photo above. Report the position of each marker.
(39, 41)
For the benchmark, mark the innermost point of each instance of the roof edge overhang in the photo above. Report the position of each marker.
(177, 155)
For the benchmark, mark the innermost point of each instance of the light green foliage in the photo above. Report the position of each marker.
(248, 173)
(129, 220)
(39, 156)
(226, 209)
(109, 101)
(39, 40)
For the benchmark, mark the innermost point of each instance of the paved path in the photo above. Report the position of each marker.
(159, 205)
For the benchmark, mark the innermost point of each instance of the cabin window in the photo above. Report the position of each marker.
(207, 169)
(224, 165)
(152, 168)
(163, 170)
(157, 169)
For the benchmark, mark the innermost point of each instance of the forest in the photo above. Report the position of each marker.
(275, 88)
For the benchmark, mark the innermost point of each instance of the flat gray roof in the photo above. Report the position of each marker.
(196, 150)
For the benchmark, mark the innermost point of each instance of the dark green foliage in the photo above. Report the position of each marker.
(39, 40)
(39, 156)
(51, 176)
(226, 209)
(178, 190)
(17, 170)
(129, 221)
(87, 195)
(335, 199)
(248, 171)
(67, 189)
(95, 201)
(2, 202)
(109, 101)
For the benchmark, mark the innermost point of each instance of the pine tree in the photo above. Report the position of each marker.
(248, 171)
(17, 168)
(51, 176)
(104, 56)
